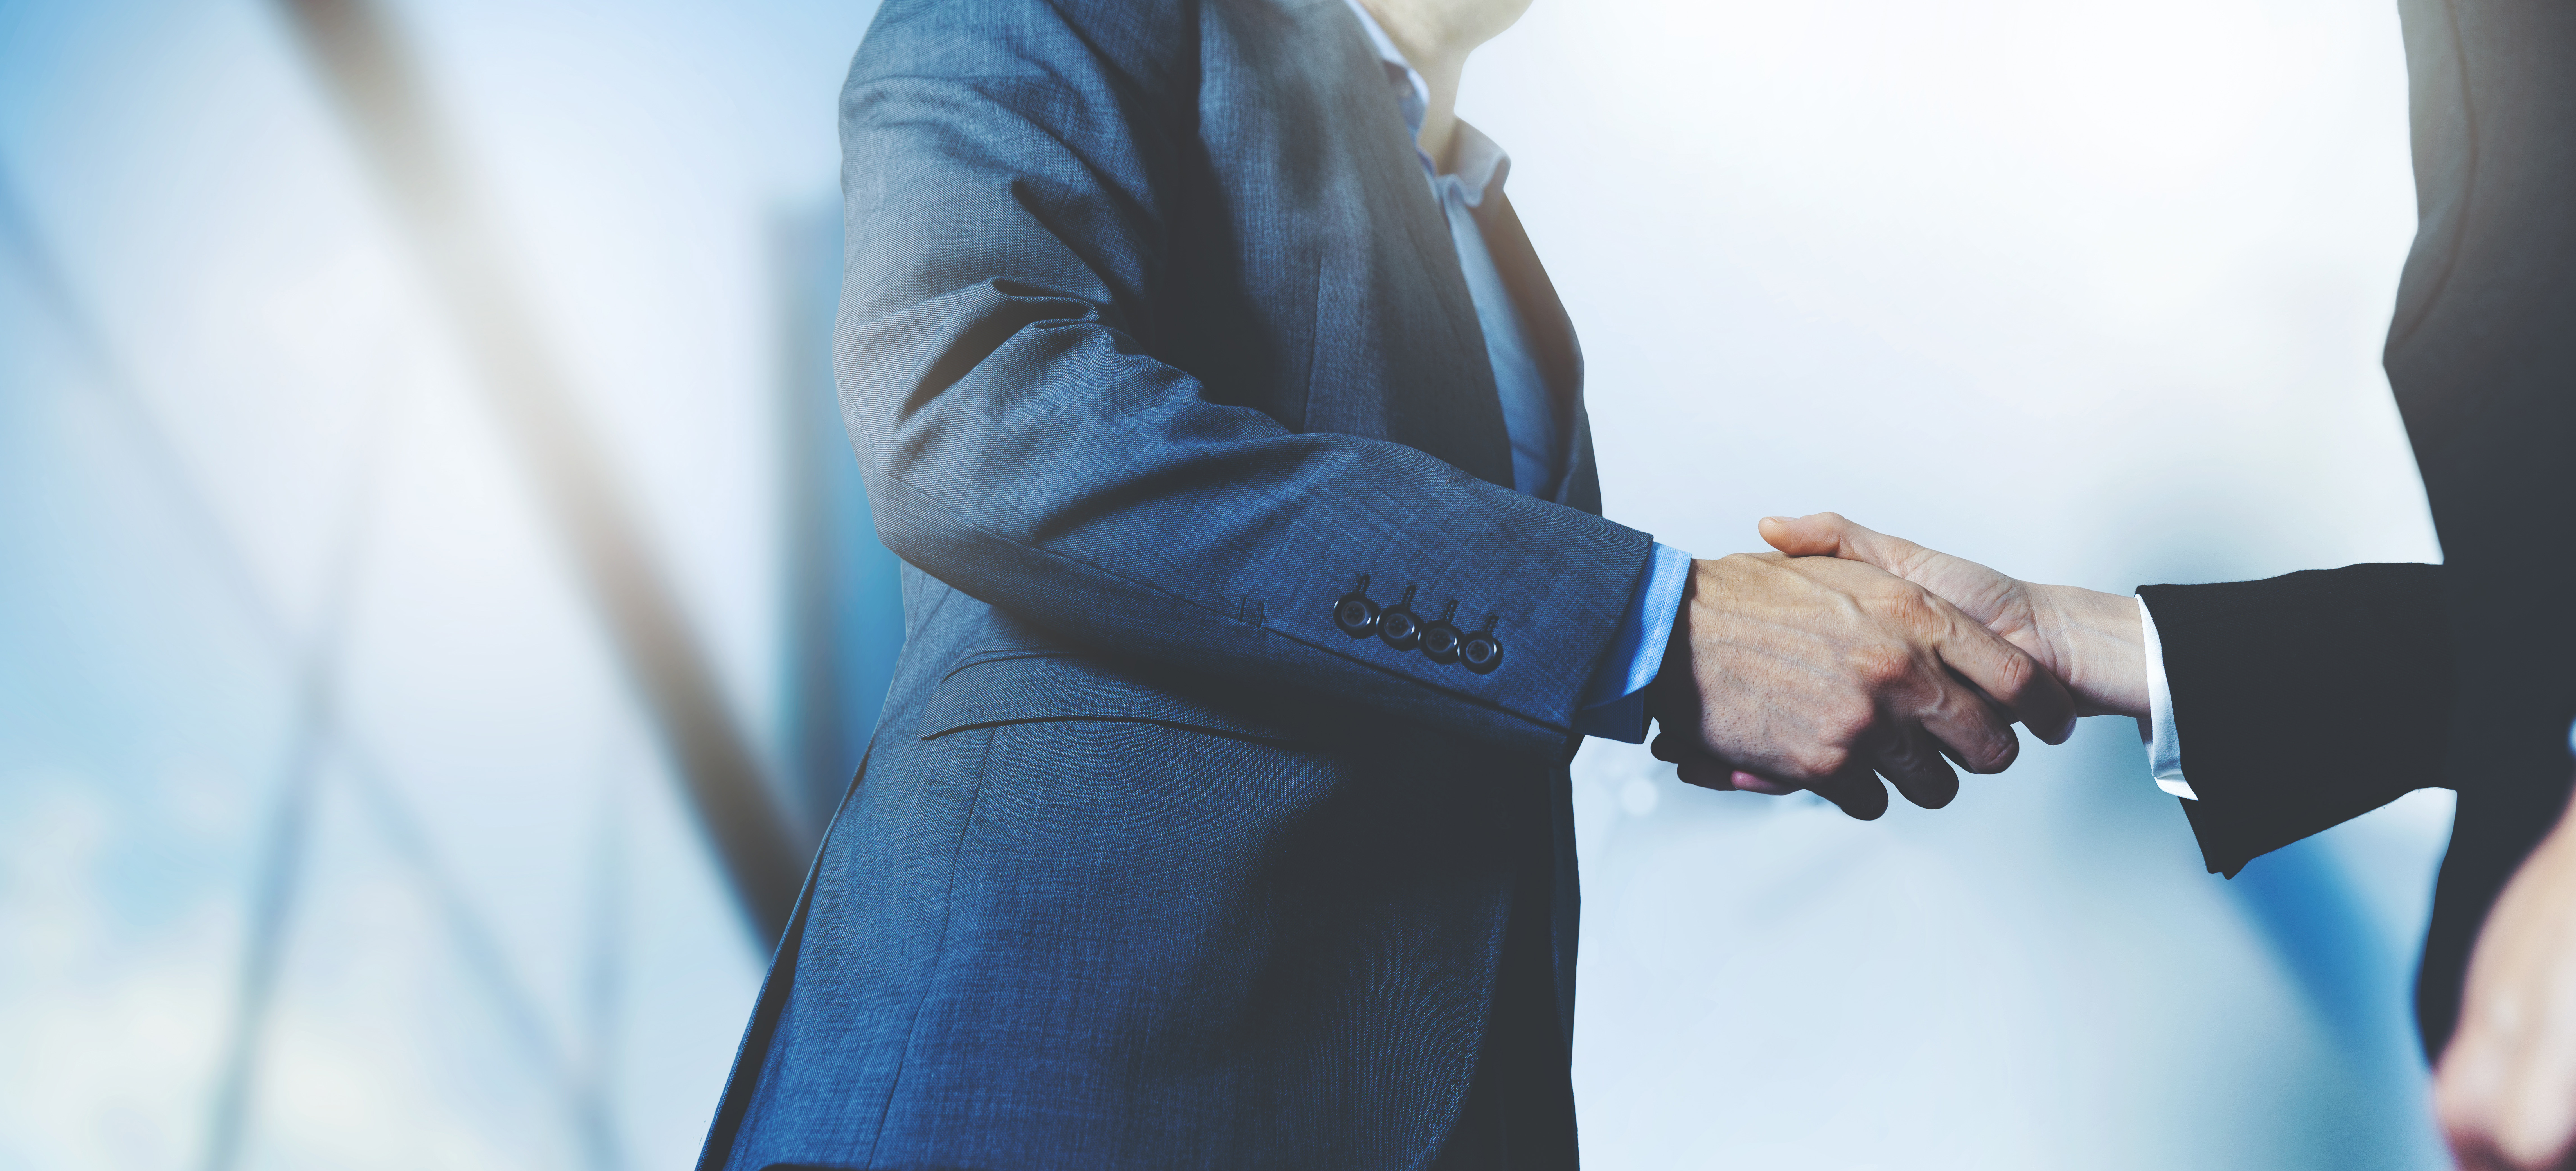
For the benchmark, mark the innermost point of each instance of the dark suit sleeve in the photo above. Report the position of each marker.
(1009, 170)
(2305, 700)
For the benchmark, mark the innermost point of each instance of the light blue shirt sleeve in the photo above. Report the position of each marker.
(1614, 703)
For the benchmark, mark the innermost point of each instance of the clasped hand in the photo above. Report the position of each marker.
(2505, 1090)
(1826, 674)
(1851, 655)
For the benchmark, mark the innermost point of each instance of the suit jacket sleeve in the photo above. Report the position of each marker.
(1009, 172)
(2305, 700)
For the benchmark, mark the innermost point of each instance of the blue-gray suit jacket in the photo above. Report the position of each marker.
(1153, 344)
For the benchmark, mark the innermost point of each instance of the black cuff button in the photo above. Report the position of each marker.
(1481, 651)
(1355, 614)
(1439, 638)
(1398, 626)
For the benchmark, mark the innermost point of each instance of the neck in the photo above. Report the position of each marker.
(1440, 56)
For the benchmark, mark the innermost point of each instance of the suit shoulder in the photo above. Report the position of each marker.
(1147, 43)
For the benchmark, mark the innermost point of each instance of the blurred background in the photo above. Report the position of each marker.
(439, 609)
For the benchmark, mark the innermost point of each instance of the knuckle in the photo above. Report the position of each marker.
(1823, 761)
(1846, 723)
(1906, 755)
(1883, 665)
(1910, 608)
(2017, 678)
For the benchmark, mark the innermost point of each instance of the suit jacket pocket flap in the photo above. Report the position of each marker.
(1027, 688)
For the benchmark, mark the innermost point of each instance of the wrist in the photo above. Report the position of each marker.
(2096, 646)
(1672, 679)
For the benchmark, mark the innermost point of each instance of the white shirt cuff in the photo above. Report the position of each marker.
(2164, 744)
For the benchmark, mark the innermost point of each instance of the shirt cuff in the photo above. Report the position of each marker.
(2164, 743)
(1614, 703)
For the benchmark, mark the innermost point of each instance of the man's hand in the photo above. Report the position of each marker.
(2506, 1089)
(1786, 673)
(2087, 638)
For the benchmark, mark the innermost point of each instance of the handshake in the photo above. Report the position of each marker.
(1850, 655)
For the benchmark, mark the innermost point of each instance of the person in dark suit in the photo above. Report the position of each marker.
(1257, 595)
(2280, 708)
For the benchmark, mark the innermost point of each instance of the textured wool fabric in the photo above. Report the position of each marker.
(1153, 348)
(2304, 700)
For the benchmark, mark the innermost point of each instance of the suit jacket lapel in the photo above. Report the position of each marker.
(1550, 335)
(1439, 385)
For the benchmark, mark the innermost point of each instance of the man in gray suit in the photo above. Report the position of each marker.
(1257, 596)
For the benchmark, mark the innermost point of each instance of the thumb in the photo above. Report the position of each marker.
(1827, 534)
(1964, 583)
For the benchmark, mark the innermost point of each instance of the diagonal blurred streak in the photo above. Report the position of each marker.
(321, 734)
(316, 673)
(605, 989)
(358, 56)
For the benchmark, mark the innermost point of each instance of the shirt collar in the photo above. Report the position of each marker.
(1482, 165)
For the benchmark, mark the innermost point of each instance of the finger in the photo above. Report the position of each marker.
(1914, 765)
(1697, 767)
(2008, 676)
(1750, 783)
(1708, 772)
(1787, 535)
(1828, 534)
(1985, 595)
(1675, 747)
(1855, 791)
(1971, 732)
(1959, 720)
(1705, 771)
(1726, 776)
